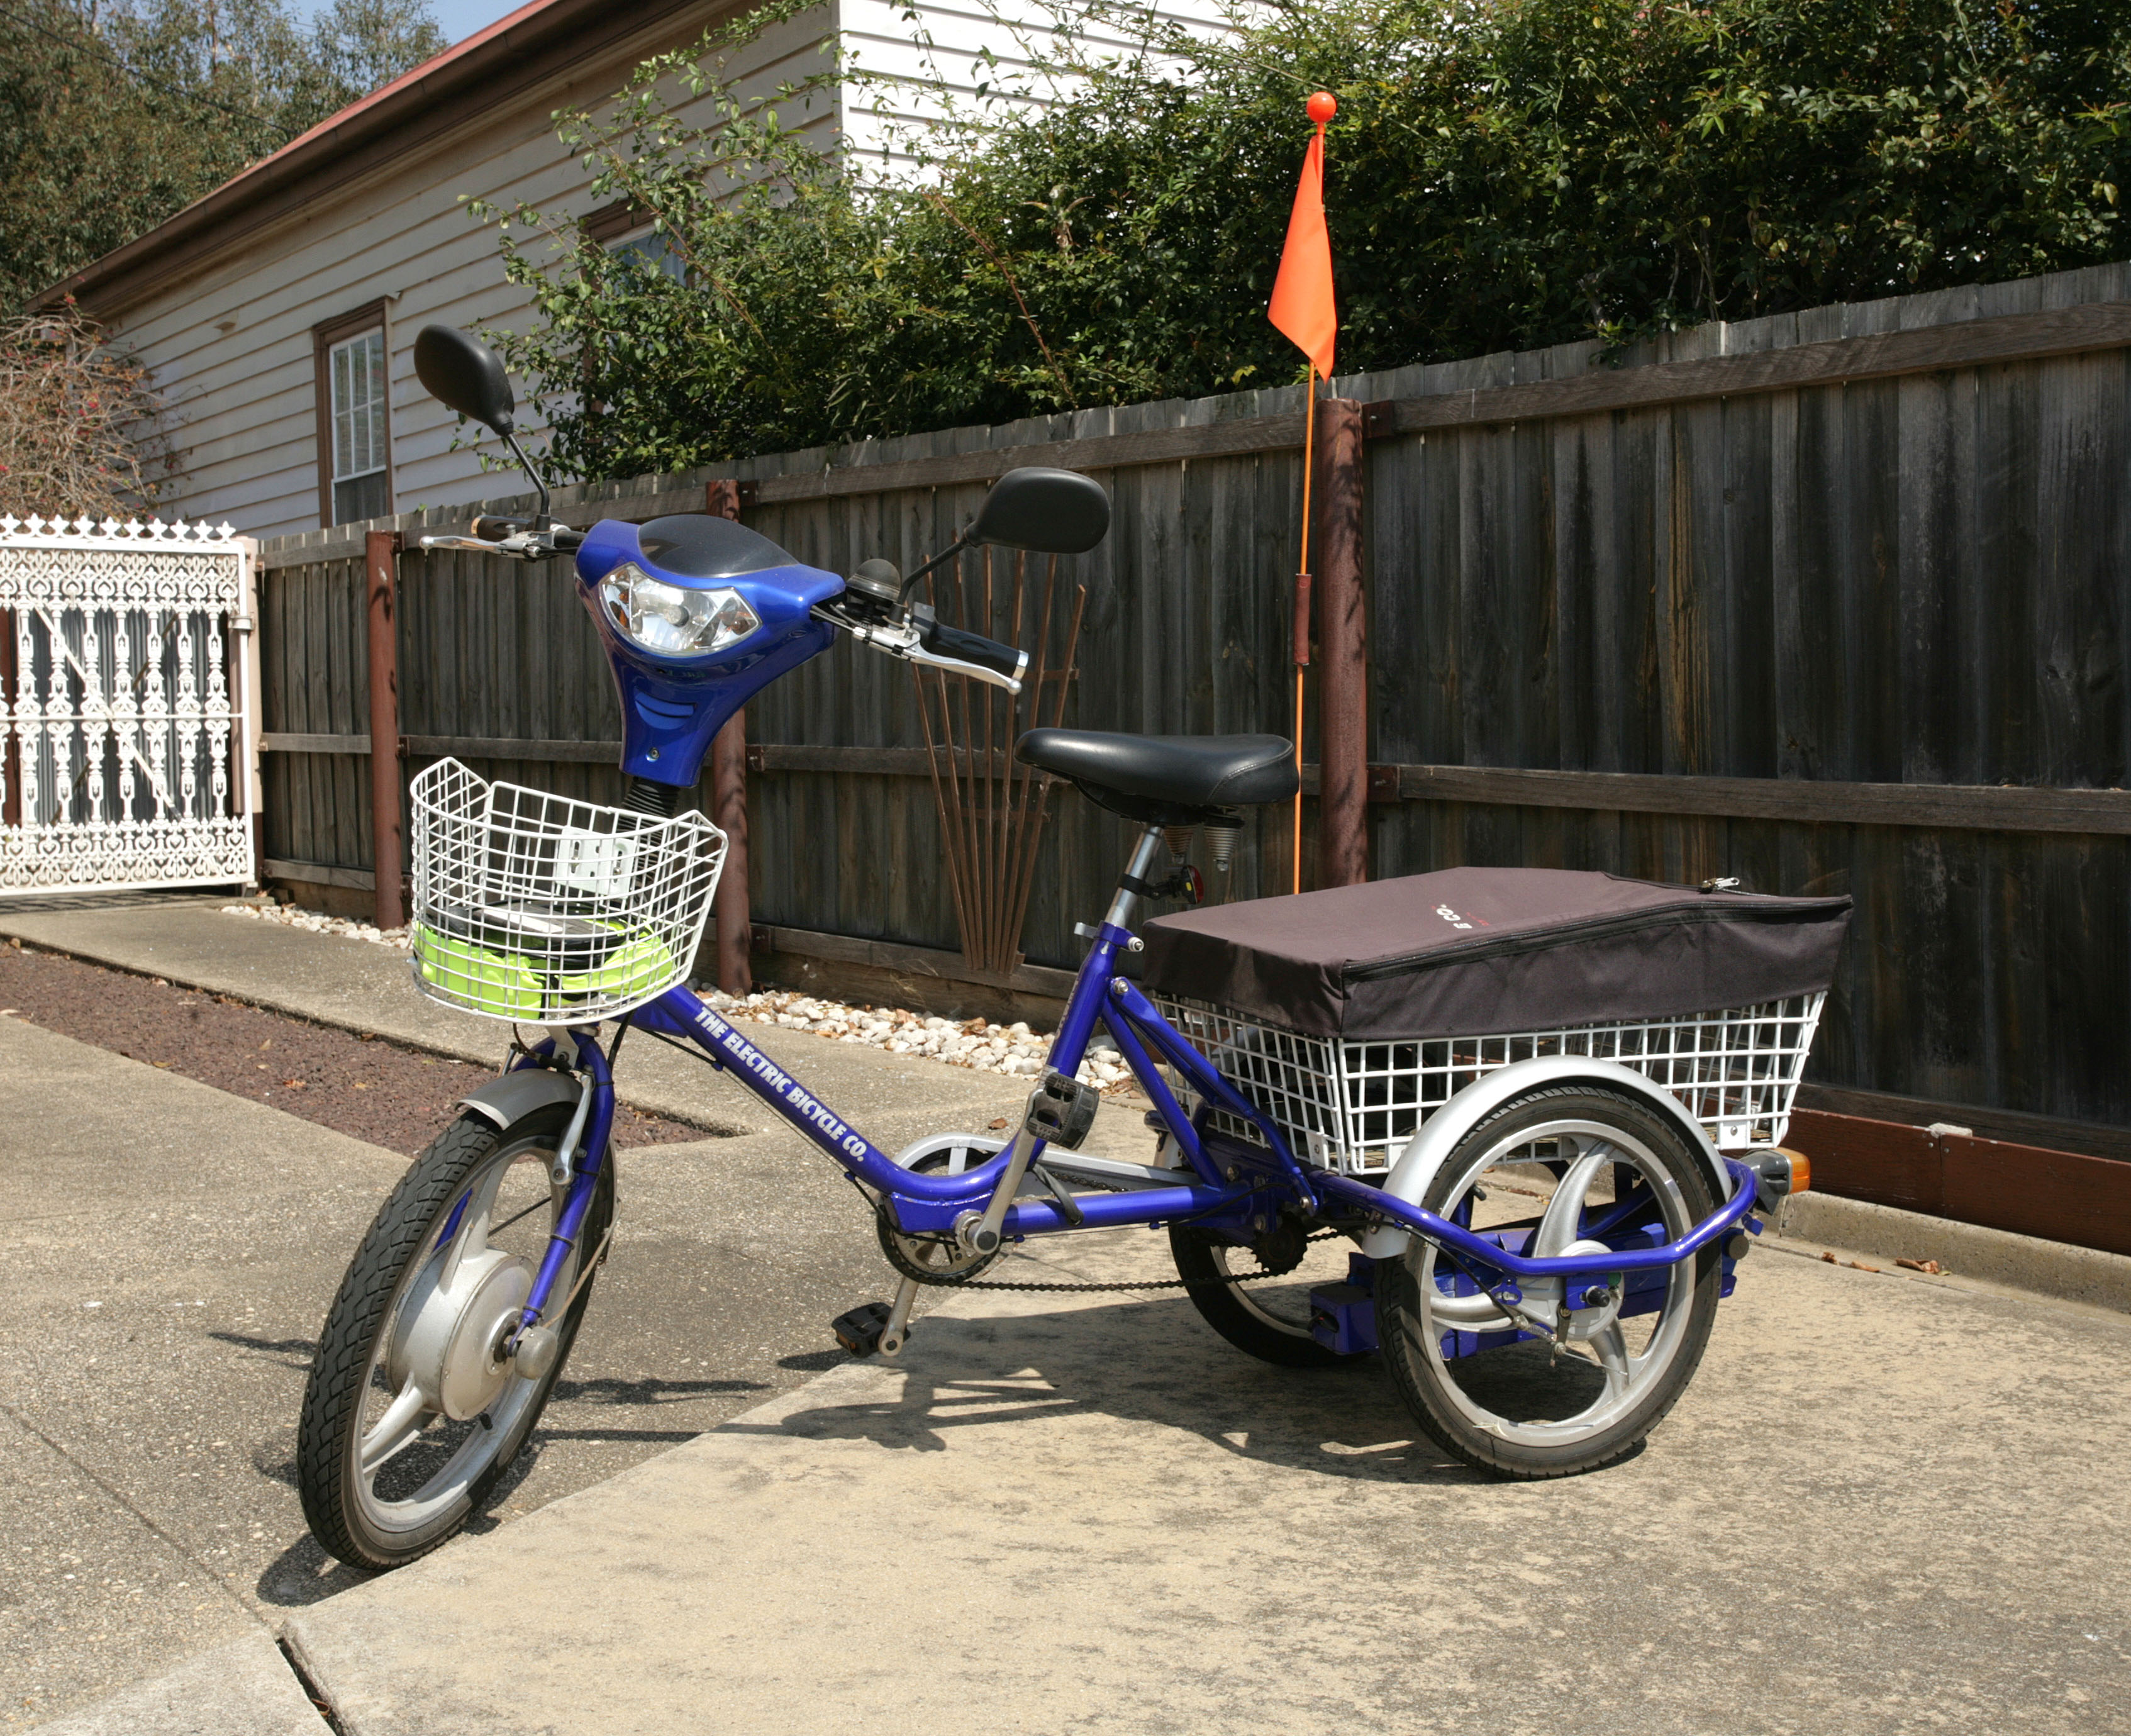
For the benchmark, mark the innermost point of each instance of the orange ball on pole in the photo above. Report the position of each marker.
(1323, 106)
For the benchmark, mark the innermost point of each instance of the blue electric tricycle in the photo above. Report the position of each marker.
(1482, 1126)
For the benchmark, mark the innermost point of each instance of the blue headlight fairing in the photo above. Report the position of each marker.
(673, 702)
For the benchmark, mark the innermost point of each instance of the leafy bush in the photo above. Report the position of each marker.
(1502, 175)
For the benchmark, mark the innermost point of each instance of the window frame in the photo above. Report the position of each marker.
(613, 227)
(370, 316)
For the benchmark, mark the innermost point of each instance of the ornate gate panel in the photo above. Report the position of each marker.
(129, 712)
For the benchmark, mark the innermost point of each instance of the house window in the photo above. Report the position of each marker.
(355, 424)
(625, 230)
(356, 372)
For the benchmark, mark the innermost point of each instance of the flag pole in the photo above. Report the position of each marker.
(1302, 609)
(1302, 311)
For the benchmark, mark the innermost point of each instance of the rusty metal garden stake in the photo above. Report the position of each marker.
(993, 808)
(381, 550)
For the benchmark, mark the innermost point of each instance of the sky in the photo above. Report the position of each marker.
(459, 19)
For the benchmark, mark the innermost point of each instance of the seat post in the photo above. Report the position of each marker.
(1142, 859)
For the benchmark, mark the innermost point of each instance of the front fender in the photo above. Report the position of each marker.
(1441, 1133)
(514, 1096)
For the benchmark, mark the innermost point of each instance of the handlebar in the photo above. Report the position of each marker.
(942, 647)
(917, 638)
(515, 539)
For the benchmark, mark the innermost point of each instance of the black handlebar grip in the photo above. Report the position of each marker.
(491, 529)
(973, 648)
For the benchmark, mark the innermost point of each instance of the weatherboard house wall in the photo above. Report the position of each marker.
(363, 224)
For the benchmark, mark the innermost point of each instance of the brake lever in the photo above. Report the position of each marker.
(955, 666)
(474, 543)
(524, 545)
(902, 640)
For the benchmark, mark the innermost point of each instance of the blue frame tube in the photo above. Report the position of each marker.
(586, 1164)
(1164, 1100)
(1459, 1240)
(1113, 1211)
(931, 1204)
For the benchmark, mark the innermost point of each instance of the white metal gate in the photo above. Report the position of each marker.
(128, 696)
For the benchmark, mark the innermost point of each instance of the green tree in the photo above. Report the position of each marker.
(112, 117)
(1503, 175)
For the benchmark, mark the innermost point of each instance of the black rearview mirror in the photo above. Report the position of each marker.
(462, 373)
(1050, 512)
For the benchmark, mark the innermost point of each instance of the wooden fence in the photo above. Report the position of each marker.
(1835, 601)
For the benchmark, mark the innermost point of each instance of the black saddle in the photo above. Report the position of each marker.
(1165, 780)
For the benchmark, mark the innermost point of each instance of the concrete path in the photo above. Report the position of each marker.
(1882, 1506)
(172, 1249)
(361, 986)
(242, 1689)
(1887, 1503)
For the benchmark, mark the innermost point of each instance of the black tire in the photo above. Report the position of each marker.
(1272, 1333)
(1445, 1394)
(409, 1222)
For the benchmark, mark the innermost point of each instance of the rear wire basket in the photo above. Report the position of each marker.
(1352, 1105)
(535, 907)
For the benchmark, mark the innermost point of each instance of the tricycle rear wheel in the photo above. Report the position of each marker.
(1270, 1320)
(1561, 1161)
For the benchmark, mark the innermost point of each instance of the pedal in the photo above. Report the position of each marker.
(1060, 1110)
(859, 1331)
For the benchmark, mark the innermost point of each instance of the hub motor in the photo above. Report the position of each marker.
(452, 1343)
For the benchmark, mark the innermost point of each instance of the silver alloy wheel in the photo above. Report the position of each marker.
(439, 1404)
(1629, 1363)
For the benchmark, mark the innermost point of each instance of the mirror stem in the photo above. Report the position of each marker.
(539, 487)
(946, 555)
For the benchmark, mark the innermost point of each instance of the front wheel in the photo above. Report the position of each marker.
(1578, 1380)
(410, 1416)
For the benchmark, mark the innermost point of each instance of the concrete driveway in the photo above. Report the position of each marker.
(1884, 1505)
(172, 1252)
(1887, 1503)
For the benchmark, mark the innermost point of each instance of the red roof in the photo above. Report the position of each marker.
(428, 69)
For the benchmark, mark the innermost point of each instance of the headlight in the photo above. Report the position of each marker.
(672, 618)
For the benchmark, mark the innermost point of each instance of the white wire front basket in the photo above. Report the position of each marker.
(535, 907)
(1352, 1105)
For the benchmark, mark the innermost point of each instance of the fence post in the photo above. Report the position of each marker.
(1342, 670)
(11, 757)
(247, 687)
(380, 560)
(728, 806)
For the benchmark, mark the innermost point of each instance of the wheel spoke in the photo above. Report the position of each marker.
(397, 1428)
(472, 1236)
(1563, 1221)
(1479, 1314)
(1610, 1345)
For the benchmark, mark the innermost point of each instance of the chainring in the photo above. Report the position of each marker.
(935, 1259)
(930, 1259)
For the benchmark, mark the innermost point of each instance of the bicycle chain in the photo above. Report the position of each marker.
(1149, 1283)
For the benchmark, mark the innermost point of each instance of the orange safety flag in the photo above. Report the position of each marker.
(1301, 307)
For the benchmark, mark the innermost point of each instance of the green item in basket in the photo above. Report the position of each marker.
(497, 983)
(634, 968)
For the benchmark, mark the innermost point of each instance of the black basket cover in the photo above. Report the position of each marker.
(1473, 951)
